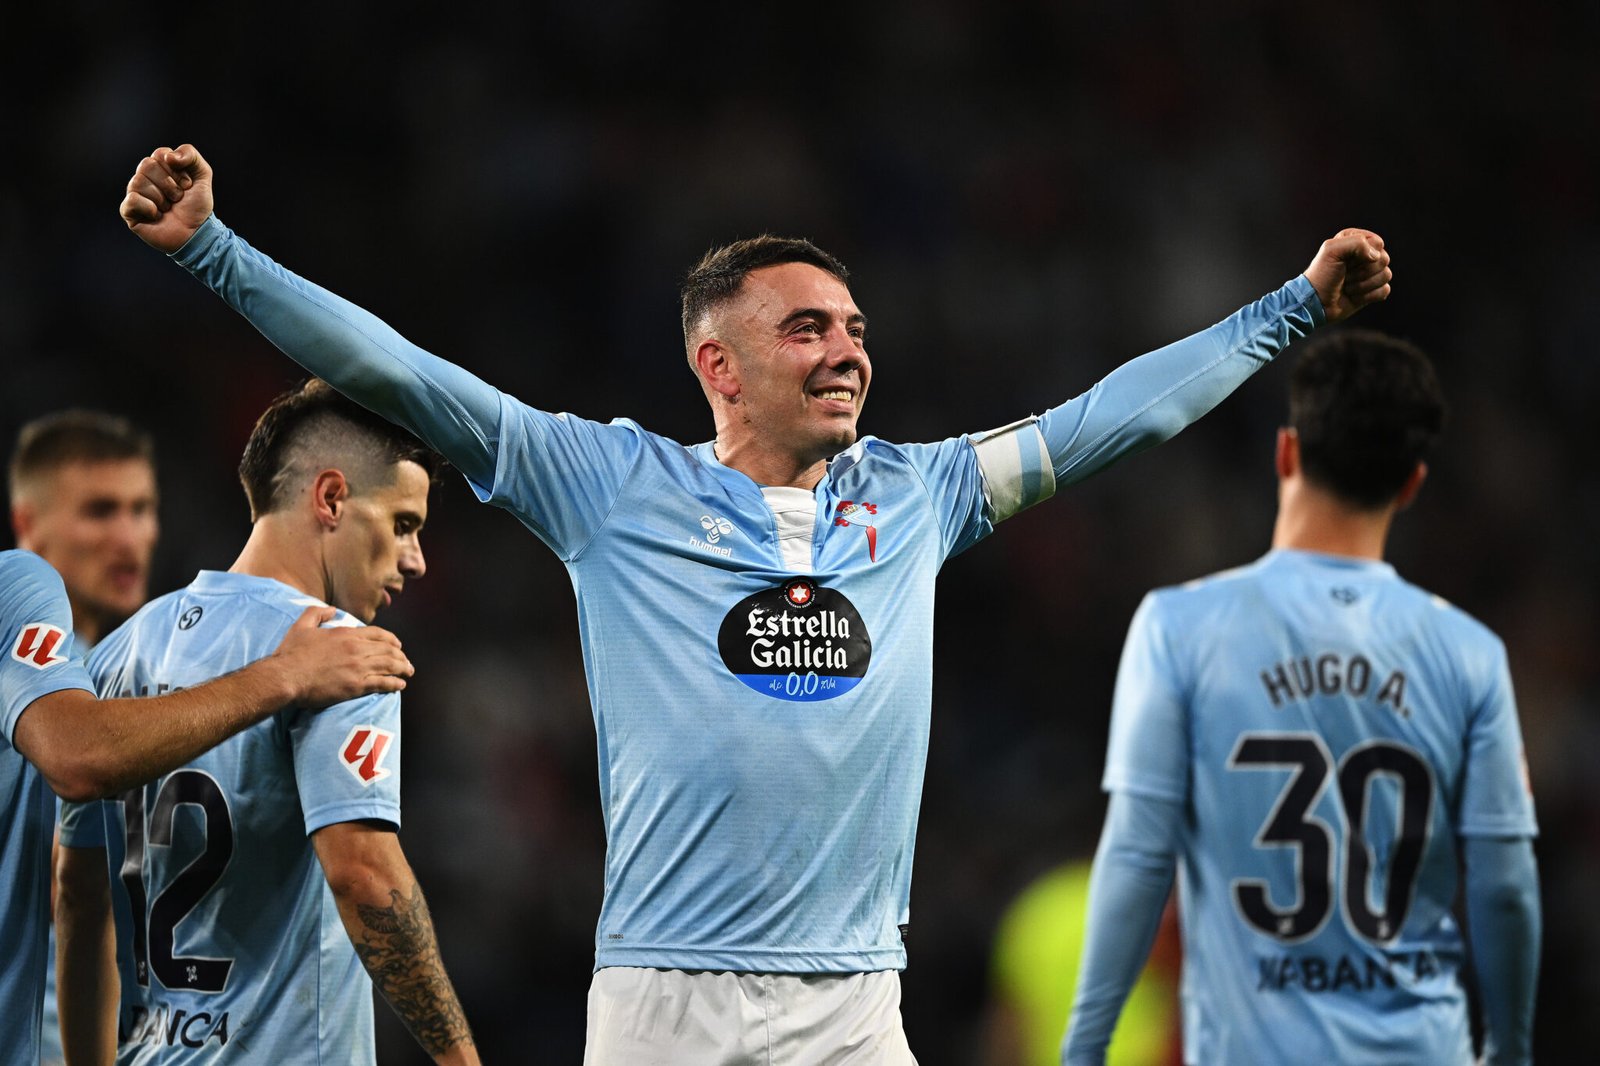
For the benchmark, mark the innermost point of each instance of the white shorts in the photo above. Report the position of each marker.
(645, 1017)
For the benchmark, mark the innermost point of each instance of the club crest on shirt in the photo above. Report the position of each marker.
(864, 516)
(36, 645)
(363, 753)
(797, 641)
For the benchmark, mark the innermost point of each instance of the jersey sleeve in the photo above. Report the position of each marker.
(1496, 797)
(347, 761)
(1149, 399)
(1148, 753)
(559, 474)
(953, 480)
(81, 825)
(36, 628)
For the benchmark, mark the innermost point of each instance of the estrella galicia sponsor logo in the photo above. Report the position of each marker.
(797, 641)
(716, 527)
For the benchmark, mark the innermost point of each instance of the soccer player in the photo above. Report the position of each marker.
(229, 944)
(83, 498)
(756, 611)
(56, 733)
(1316, 745)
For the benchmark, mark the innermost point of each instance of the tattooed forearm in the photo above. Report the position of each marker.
(397, 946)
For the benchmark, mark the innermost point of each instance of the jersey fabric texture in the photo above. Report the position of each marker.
(762, 727)
(229, 944)
(37, 659)
(1330, 731)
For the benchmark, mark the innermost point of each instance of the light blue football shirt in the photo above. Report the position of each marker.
(229, 945)
(762, 729)
(1331, 731)
(36, 631)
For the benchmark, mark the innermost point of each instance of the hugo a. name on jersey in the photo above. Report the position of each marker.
(1335, 730)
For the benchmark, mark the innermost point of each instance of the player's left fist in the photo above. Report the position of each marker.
(1350, 271)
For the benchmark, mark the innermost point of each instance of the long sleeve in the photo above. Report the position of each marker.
(1151, 398)
(1133, 872)
(1502, 895)
(454, 412)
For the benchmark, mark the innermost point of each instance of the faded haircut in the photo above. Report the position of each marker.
(78, 435)
(1367, 409)
(312, 428)
(721, 271)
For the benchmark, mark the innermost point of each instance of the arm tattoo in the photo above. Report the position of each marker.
(397, 946)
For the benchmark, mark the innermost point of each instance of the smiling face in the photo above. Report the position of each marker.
(95, 522)
(376, 545)
(798, 365)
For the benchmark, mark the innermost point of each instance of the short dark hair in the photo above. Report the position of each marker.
(313, 424)
(1367, 408)
(78, 435)
(721, 271)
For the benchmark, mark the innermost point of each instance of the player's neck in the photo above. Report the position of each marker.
(274, 552)
(87, 625)
(1311, 520)
(767, 467)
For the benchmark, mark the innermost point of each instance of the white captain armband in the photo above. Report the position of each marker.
(1016, 467)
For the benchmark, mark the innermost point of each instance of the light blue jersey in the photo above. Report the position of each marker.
(229, 944)
(1330, 732)
(36, 631)
(762, 719)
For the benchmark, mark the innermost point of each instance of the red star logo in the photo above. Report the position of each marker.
(799, 593)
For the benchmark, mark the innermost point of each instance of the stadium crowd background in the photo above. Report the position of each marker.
(1027, 193)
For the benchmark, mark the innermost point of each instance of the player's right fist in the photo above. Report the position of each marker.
(168, 197)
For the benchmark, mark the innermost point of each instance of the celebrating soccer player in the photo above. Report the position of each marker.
(225, 942)
(756, 611)
(1317, 745)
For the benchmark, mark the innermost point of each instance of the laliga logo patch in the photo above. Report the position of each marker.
(36, 645)
(797, 641)
(363, 753)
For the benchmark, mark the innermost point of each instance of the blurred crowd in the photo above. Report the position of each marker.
(1027, 196)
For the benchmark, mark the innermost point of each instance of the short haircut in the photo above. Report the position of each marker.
(312, 428)
(1367, 408)
(74, 436)
(721, 271)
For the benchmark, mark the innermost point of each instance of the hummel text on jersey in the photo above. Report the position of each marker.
(1362, 973)
(1330, 674)
(173, 1027)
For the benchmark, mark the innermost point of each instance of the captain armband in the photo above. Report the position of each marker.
(1016, 467)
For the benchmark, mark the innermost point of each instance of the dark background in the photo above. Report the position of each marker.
(1028, 194)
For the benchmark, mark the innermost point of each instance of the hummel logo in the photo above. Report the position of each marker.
(716, 528)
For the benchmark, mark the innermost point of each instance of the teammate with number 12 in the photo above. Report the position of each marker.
(1316, 745)
(231, 949)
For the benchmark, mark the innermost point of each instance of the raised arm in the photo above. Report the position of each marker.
(387, 919)
(88, 748)
(169, 204)
(1151, 398)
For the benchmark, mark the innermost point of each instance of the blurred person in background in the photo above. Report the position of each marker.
(229, 943)
(1034, 971)
(83, 498)
(756, 612)
(1317, 747)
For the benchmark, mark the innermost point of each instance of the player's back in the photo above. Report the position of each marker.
(1330, 711)
(230, 947)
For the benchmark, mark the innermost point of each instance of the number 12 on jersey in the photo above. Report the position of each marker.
(155, 921)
